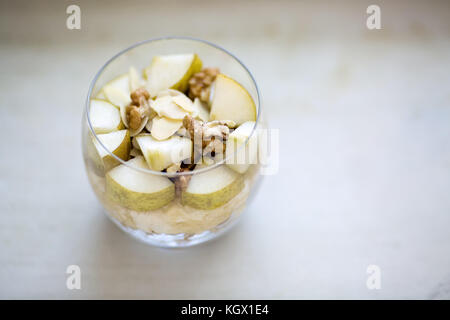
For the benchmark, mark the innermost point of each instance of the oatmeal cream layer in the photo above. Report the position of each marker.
(173, 218)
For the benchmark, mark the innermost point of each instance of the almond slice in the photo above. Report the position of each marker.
(163, 128)
(165, 106)
(134, 79)
(149, 124)
(169, 92)
(201, 110)
(134, 143)
(123, 115)
(184, 102)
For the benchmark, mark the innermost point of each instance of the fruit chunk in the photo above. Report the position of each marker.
(118, 143)
(161, 154)
(230, 101)
(162, 128)
(104, 116)
(100, 95)
(116, 96)
(138, 190)
(171, 71)
(212, 189)
(121, 83)
(117, 92)
(240, 155)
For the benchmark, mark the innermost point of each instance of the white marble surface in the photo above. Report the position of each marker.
(364, 174)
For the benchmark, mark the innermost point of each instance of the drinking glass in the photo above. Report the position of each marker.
(175, 224)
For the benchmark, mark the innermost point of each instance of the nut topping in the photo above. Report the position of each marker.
(133, 116)
(181, 182)
(137, 94)
(207, 137)
(215, 146)
(195, 132)
(138, 109)
(200, 83)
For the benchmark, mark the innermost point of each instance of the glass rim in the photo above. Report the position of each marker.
(150, 171)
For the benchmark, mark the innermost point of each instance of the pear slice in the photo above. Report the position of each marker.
(171, 72)
(165, 107)
(137, 190)
(104, 116)
(120, 99)
(122, 83)
(230, 101)
(116, 96)
(100, 95)
(118, 143)
(117, 92)
(239, 154)
(163, 128)
(201, 110)
(161, 154)
(212, 189)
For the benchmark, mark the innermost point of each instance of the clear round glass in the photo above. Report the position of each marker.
(175, 224)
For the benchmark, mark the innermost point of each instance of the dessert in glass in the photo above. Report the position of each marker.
(170, 140)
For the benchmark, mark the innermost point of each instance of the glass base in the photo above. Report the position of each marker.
(181, 240)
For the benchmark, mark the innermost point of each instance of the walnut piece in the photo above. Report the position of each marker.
(181, 182)
(137, 94)
(207, 137)
(215, 146)
(138, 109)
(133, 117)
(229, 123)
(200, 83)
(221, 131)
(182, 132)
(135, 152)
(195, 132)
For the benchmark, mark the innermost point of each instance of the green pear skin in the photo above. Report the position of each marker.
(212, 200)
(138, 201)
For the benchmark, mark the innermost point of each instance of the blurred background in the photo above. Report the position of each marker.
(364, 164)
